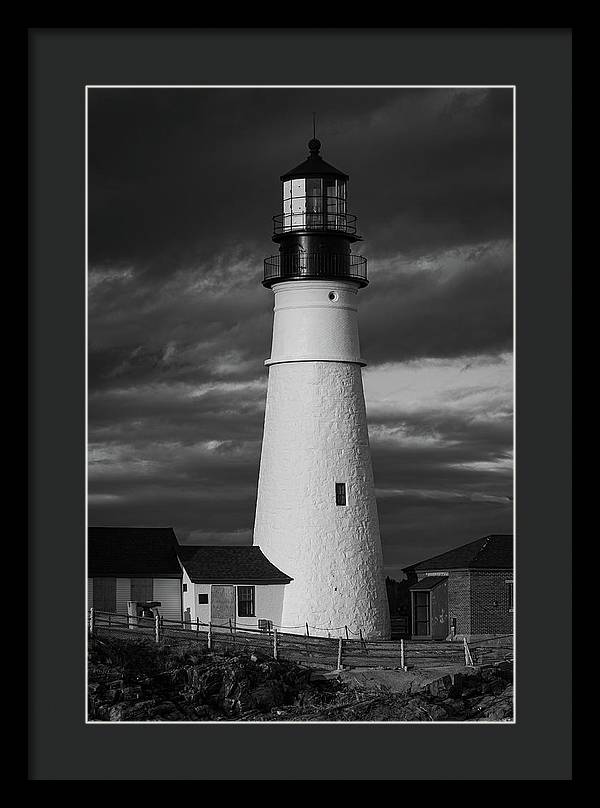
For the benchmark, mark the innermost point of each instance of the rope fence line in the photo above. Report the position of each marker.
(336, 652)
(355, 631)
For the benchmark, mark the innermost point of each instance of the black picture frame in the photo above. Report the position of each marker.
(62, 62)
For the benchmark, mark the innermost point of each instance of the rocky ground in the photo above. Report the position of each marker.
(133, 679)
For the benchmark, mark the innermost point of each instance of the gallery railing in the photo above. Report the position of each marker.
(316, 265)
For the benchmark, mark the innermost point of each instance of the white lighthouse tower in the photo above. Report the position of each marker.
(316, 515)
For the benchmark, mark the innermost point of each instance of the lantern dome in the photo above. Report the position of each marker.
(314, 165)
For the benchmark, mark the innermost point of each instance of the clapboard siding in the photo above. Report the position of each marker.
(123, 594)
(168, 592)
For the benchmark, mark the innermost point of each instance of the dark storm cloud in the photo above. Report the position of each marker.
(460, 306)
(182, 186)
(454, 303)
(176, 175)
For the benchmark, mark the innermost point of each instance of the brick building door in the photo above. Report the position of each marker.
(421, 614)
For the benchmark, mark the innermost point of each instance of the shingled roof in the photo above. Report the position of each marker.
(133, 552)
(489, 552)
(429, 582)
(209, 564)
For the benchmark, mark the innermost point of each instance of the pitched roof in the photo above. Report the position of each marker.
(490, 552)
(429, 582)
(217, 564)
(314, 166)
(130, 552)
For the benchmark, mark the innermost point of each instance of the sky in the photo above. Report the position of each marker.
(182, 185)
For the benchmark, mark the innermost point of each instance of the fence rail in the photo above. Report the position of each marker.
(339, 652)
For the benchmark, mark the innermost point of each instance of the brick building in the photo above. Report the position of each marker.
(467, 591)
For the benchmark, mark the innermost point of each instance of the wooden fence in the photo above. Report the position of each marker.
(327, 652)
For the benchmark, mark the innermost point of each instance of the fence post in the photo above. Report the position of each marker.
(307, 631)
(347, 637)
(109, 619)
(156, 628)
(92, 620)
(402, 662)
(274, 643)
(197, 624)
(209, 638)
(468, 657)
(339, 657)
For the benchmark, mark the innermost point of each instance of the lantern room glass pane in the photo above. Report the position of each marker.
(287, 205)
(314, 194)
(314, 202)
(298, 203)
(335, 192)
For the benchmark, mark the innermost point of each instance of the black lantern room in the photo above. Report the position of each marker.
(314, 229)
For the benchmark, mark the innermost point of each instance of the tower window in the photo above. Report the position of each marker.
(509, 584)
(340, 493)
(202, 598)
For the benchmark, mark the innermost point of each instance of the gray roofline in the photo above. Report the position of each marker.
(241, 581)
(120, 574)
(457, 569)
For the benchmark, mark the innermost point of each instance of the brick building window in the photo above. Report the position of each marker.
(340, 493)
(246, 601)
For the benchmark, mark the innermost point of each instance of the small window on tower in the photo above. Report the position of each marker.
(185, 587)
(340, 493)
(509, 584)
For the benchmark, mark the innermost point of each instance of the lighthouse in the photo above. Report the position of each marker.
(316, 514)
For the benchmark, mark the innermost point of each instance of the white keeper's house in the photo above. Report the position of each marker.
(226, 586)
(231, 584)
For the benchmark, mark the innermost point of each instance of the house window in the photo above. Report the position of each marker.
(509, 584)
(184, 587)
(142, 589)
(245, 601)
(340, 493)
(203, 598)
